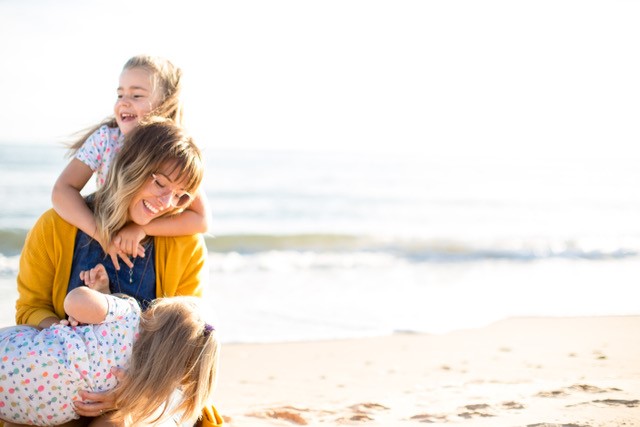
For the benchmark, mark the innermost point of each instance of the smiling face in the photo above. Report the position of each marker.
(136, 98)
(158, 163)
(162, 193)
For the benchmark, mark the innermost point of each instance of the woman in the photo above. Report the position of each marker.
(155, 174)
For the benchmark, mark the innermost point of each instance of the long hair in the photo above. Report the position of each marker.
(166, 78)
(154, 144)
(175, 349)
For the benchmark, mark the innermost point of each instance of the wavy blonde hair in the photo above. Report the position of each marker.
(155, 145)
(165, 77)
(174, 350)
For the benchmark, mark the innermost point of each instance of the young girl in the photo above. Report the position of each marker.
(149, 86)
(169, 351)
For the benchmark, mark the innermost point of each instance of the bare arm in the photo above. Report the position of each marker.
(68, 201)
(71, 206)
(195, 219)
(86, 305)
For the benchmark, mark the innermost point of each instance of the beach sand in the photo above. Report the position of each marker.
(570, 372)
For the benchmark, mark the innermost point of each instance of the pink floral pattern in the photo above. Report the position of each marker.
(99, 150)
(42, 371)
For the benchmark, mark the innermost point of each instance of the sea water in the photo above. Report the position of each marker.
(318, 245)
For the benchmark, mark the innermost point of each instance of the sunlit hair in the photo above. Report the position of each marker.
(165, 77)
(156, 145)
(174, 350)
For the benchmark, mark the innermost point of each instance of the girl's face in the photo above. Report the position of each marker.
(136, 98)
(161, 193)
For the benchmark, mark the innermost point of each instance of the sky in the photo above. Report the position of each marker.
(533, 78)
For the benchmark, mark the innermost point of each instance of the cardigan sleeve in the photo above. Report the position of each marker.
(181, 266)
(45, 266)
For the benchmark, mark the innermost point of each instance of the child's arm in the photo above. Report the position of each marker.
(86, 305)
(68, 201)
(193, 220)
(70, 205)
(96, 278)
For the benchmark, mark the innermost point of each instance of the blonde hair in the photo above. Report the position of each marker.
(175, 349)
(156, 143)
(166, 77)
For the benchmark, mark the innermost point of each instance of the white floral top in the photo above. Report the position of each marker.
(42, 371)
(99, 150)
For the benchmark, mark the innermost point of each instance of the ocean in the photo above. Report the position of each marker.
(325, 244)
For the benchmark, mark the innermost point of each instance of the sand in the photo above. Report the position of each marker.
(539, 372)
(542, 372)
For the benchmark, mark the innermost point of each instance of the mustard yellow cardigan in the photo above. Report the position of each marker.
(45, 267)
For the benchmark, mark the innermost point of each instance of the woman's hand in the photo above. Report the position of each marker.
(96, 279)
(94, 404)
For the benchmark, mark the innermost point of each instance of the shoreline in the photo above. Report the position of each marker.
(525, 371)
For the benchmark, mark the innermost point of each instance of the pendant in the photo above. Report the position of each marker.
(131, 275)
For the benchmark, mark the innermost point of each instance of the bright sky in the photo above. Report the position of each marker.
(544, 77)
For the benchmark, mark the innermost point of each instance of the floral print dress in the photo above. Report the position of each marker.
(42, 371)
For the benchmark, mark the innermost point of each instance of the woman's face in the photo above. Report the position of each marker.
(162, 193)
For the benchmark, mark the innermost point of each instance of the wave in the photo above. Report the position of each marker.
(428, 250)
(11, 241)
(410, 250)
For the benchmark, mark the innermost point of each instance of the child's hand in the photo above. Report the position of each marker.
(114, 253)
(128, 240)
(96, 279)
(69, 322)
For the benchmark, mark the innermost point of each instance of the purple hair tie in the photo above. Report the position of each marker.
(207, 329)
